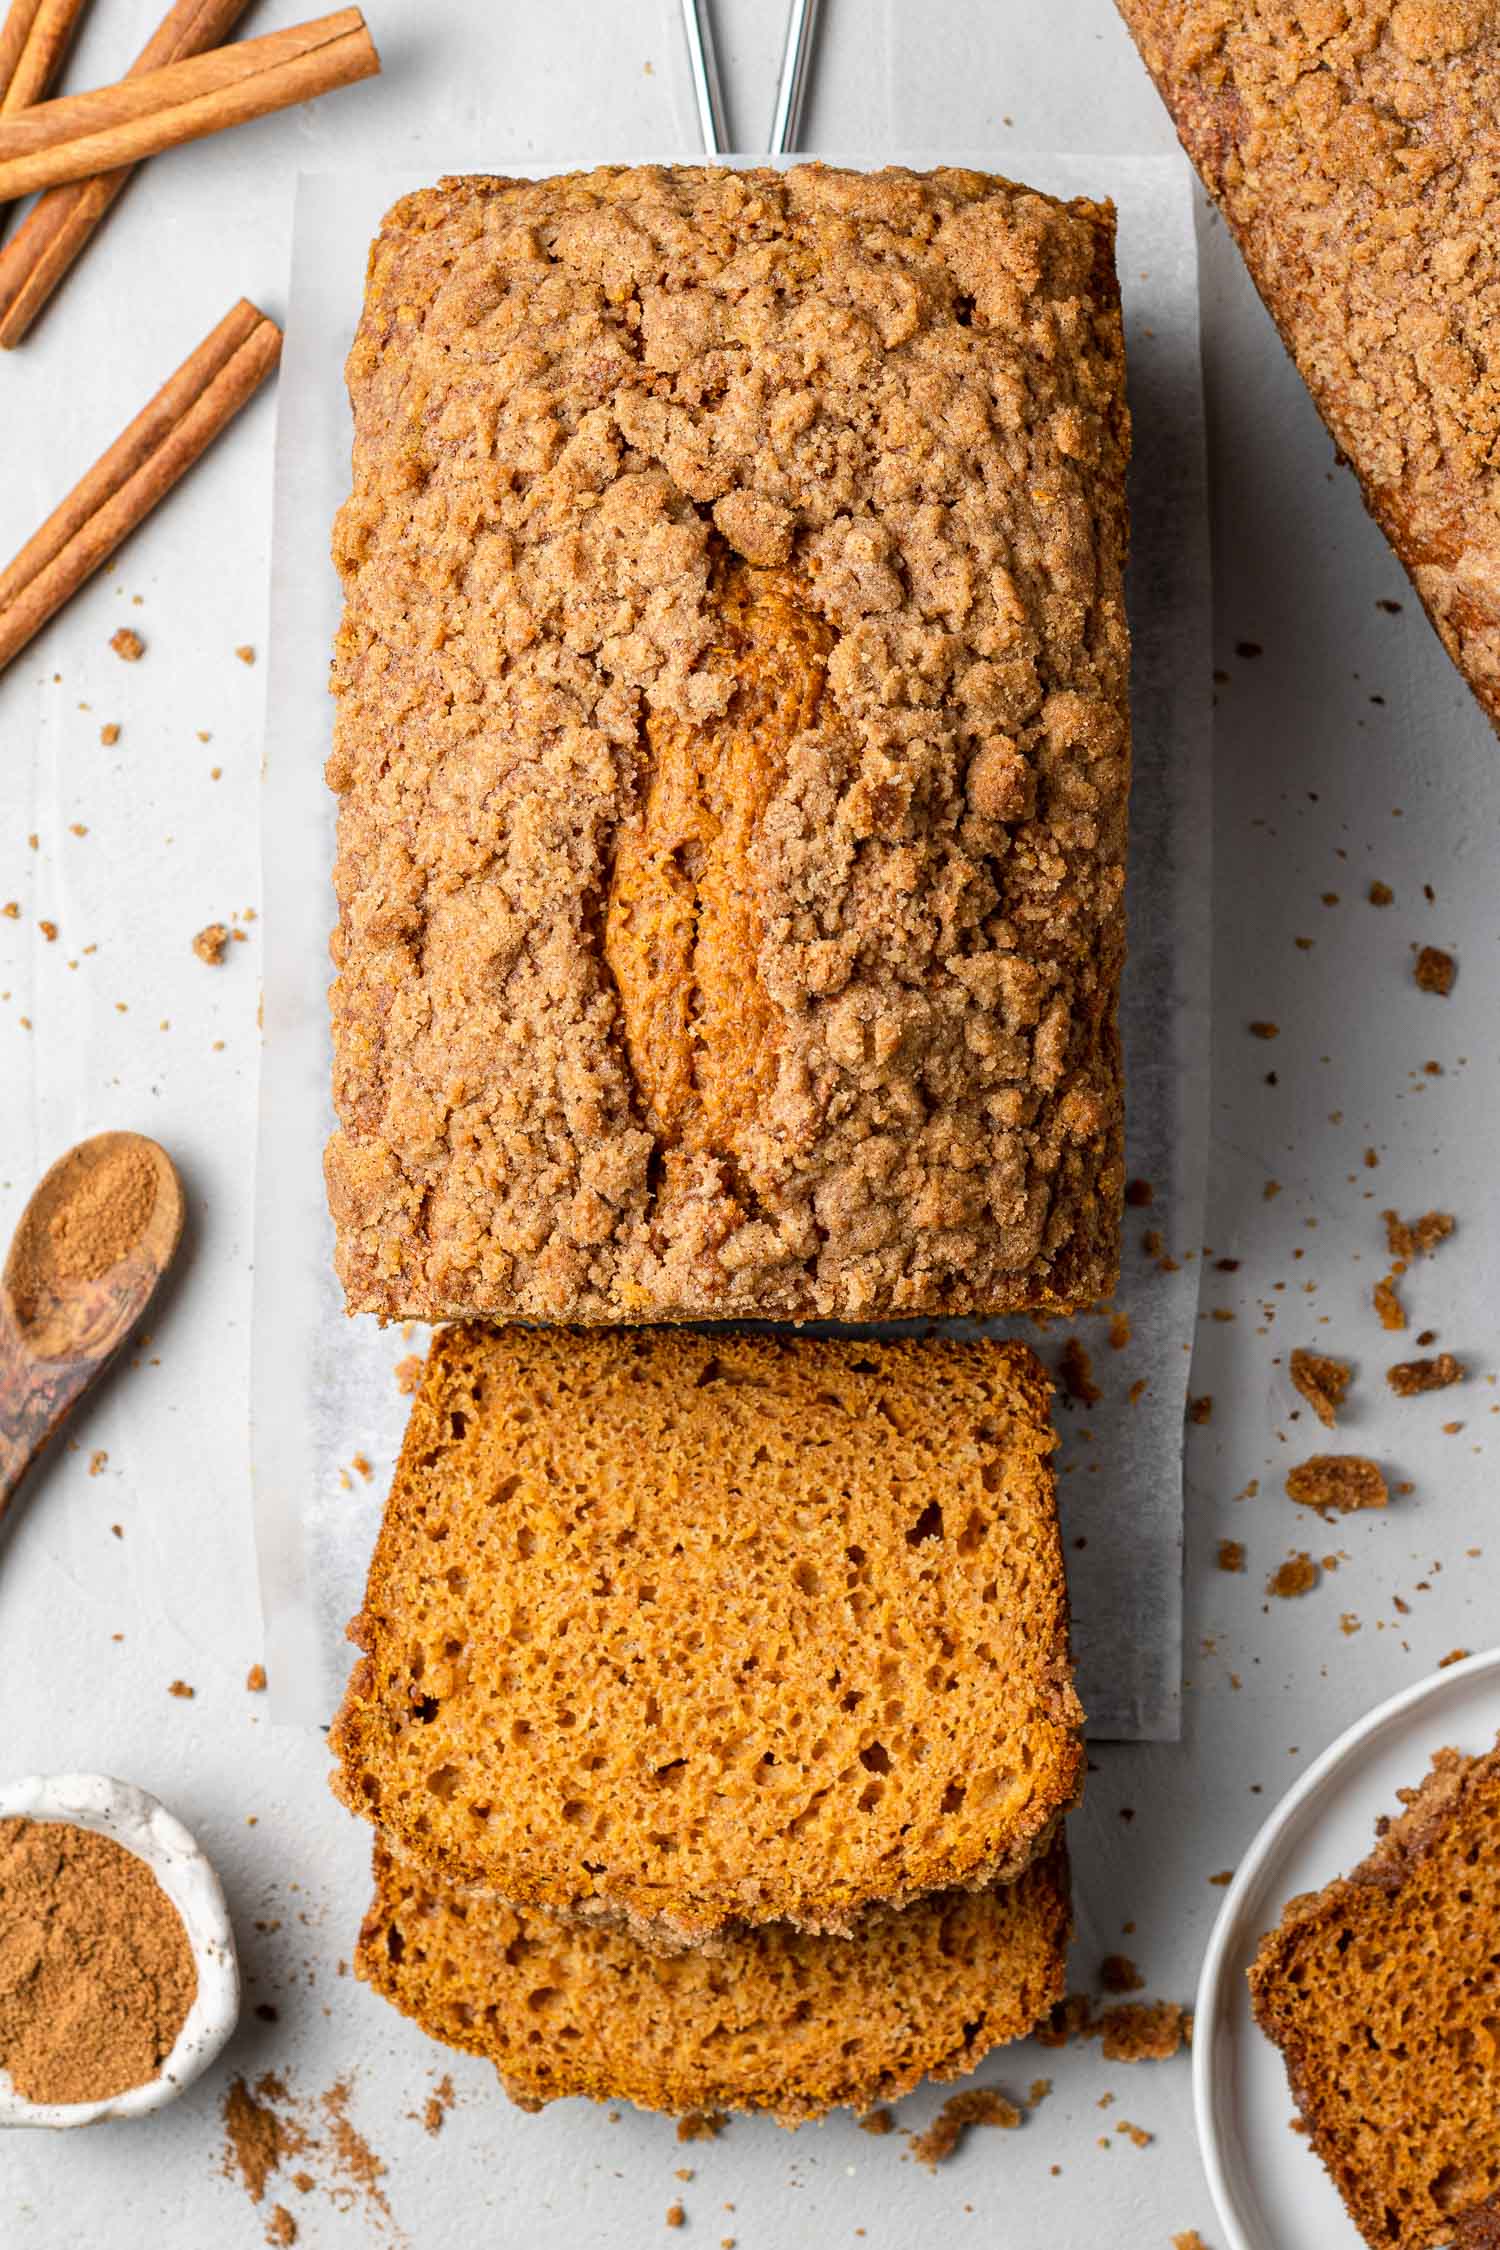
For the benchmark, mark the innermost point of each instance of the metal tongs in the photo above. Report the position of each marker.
(791, 86)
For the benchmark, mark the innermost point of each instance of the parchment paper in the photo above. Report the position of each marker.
(326, 1410)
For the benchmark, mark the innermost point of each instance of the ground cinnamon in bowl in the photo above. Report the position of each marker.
(96, 1971)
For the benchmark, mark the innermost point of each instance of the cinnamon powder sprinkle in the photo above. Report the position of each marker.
(96, 1971)
(1322, 1382)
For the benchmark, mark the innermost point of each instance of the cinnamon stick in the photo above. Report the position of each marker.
(54, 234)
(140, 468)
(32, 45)
(85, 133)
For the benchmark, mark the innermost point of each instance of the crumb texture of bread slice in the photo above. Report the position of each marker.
(700, 1630)
(1353, 150)
(779, 2020)
(1383, 1993)
(732, 751)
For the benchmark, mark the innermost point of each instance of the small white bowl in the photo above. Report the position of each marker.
(143, 1826)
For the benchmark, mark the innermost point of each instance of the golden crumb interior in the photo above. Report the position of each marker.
(698, 1630)
(778, 2020)
(1383, 1992)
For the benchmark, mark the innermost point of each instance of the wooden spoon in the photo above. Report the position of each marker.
(93, 1243)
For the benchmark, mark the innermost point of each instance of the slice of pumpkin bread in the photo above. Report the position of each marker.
(1383, 1994)
(776, 2020)
(692, 1631)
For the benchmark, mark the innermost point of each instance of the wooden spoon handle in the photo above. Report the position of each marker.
(33, 1400)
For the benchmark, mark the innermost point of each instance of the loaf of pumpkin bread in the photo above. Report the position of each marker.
(732, 751)
(1353, 147)
(685, 1631)
(776, 2021)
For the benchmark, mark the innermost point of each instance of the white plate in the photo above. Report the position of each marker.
(1271, 2191)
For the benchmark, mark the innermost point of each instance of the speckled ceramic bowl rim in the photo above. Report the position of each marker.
(1243, 1902)
(140, 1824)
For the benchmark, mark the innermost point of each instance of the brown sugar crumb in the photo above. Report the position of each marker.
(1410, 1377)
(245, 653)
(702, 2124)
(281, 2227)
(11, 910)
(437, 2106)
(255, 1679)
(1435, 970)
(1118, 1973)
(1119, 1331)
(975, 2105)
(48, 930)
(1454, 1656)
(1265, 1031)
(97, 1462)
(1201, 1409)
(1135, 2134)
(1297, 1575)
(879, 2122)
(1192, 2240)
(1380, 894)
(1411, 1238)
(1322, 1382)
(181, 1689)
(1143, 2031)
(1223, 1879)
(109, 735)
(1231, 1554)
(408, 1373)
(361, 1466)
(1389, 1306)
(1138, 1194)
(676, 2216)
(210, 943)
(1070, 2019)
(1076, 1371)
(127, 645)
(1339, 1483)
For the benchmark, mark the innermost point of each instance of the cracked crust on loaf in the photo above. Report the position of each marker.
(732, 751)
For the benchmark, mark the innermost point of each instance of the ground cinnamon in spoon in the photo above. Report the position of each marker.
(91, 1215)
(96, 1972)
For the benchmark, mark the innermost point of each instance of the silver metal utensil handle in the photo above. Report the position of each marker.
(796, 65)
(704, 64)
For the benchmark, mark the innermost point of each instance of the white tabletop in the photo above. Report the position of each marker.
(1347, 750)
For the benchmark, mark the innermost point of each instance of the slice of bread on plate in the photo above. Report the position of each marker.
(1383, 1993)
